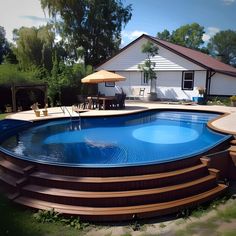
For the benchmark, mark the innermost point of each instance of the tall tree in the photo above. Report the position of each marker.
(4, 46)
(94, 25)
(189, 35)
(223, 44)
(165, 35)
(34, 46)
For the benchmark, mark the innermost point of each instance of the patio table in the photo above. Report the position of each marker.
(104, 100)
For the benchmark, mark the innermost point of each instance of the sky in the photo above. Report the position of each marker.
(148, 16)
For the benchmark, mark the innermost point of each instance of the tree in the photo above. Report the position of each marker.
(223, 45)
(94, 25)
(150, 50)
(189, 35)
(4, 46)
(10, 57)
(34, 46)
(63, 75)
(164, 35)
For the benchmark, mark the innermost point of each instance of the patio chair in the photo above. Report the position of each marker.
(119, 102)
(136, 93)
(141, 92)
(96, 103)
(82, 102)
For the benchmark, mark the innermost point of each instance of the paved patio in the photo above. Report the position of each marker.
(226, 123)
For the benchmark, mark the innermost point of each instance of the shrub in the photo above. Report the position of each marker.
(233, 98)
(10, 73)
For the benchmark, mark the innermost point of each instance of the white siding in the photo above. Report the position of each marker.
(133, 79)
(223, 85)
(168, 85)
(129, 59)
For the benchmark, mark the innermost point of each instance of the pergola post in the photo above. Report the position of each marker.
(15, 88)
(13, 97)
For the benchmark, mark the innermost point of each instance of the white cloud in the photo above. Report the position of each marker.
(128, 36)
(210, 32)
(228, 2)
(15, 13)
(131, 35)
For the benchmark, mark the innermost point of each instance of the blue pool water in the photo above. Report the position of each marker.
(143, 138)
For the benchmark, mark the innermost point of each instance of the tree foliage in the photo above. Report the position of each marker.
(63, 75)
(34, 46)
(164, 35)
(10, 73)
(189, 35)
(94, 25)
(223, 44)
(4, 46)
(150, 50)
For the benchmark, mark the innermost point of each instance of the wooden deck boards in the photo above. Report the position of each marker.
(111, 198)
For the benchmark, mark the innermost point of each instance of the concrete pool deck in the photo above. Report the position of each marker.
(226, 123)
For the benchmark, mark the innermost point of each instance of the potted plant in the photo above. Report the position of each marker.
(45, 111)
(201, 91)
(200, 98)
(148, 67)
(35, 108)
(233, 100)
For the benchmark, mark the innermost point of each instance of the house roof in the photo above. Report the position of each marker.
(192, 55)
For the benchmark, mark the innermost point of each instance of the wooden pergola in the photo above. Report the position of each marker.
(15, 88)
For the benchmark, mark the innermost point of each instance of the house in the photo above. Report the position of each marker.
(180, 71)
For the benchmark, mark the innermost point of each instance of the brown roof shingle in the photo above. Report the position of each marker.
(192, 55)
(200, 58)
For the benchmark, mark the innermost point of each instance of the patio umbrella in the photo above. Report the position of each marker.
(102, 76)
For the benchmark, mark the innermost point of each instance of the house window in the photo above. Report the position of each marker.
(144, 78)
(187, 80)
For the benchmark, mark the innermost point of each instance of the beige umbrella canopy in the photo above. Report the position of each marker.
(101, 77)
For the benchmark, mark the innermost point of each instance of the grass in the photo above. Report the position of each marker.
(2, 116)
(198, 228)
(228, 214)
(14, 221)
(224, 214)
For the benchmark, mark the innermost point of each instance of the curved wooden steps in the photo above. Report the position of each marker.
(120, 198)
(233, 142)
(119, 182)
(11, 168)
(111, 196)
(127, 212)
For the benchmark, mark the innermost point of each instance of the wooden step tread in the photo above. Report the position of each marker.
(10, 166)
(233, 141)
(232, 149)
(78, 210)
(8, 179)
(65, 178)
(232, 154)
(115, 194)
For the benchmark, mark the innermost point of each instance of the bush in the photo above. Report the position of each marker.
(233, 98)
(10, 73)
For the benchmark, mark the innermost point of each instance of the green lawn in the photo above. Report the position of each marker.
(2, 116)
(16, 221)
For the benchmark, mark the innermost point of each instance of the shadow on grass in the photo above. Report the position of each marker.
(16, 221)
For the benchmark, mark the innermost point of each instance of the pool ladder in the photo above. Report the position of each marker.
(73, 126)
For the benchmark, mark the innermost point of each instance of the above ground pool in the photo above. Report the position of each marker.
(137, 139)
